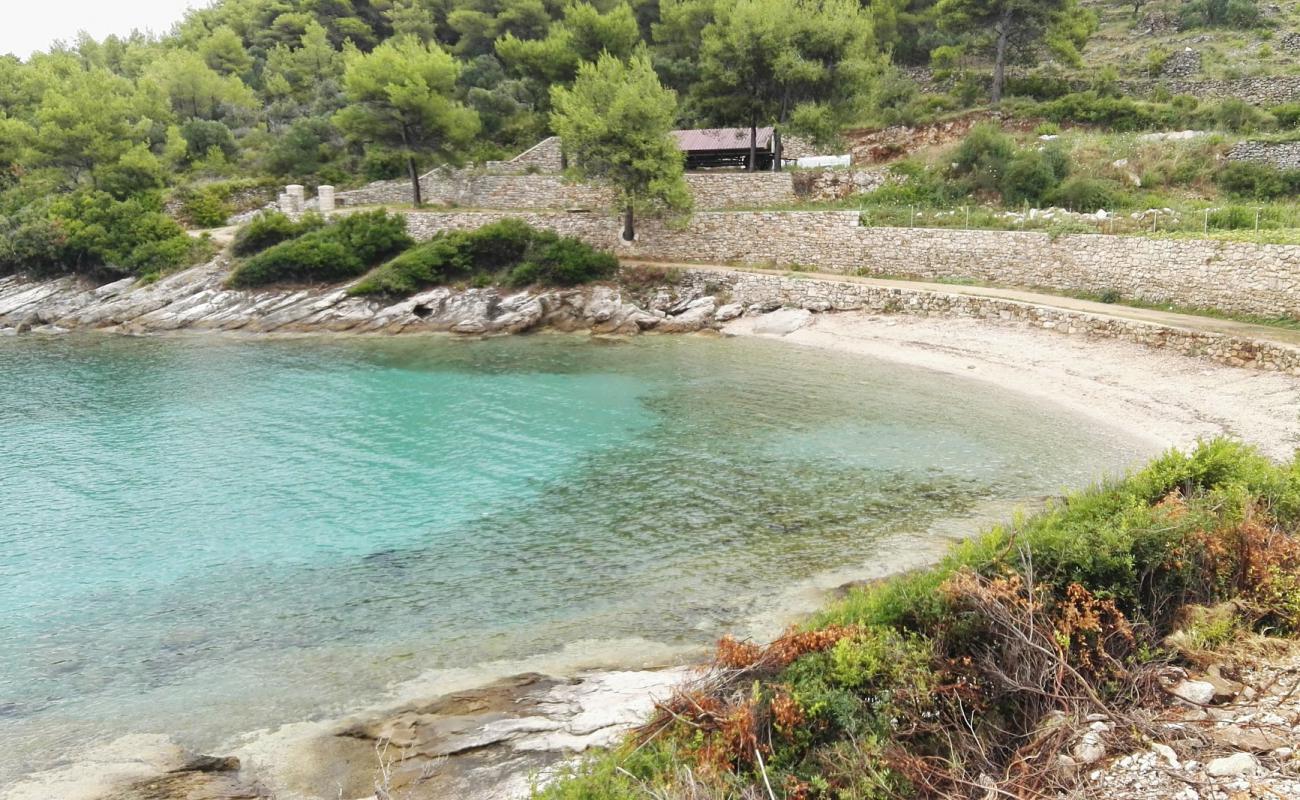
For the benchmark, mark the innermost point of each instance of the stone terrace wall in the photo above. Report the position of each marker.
(598, 230)
(1283, 155)
(534, 191)
(1262, 91)
(749, 288)
(1242, 278)
(547, 156)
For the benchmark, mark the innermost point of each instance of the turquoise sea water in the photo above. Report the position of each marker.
(204, 536)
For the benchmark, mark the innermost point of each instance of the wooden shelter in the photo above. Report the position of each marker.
(720, 148)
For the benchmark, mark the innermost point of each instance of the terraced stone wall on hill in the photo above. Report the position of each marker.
(1282, 155)
(1235, 277)
(1263, 91)
(541, 190)
(767, 290)
(1229, 276)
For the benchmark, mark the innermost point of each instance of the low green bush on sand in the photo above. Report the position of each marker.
(335, 252)
(507, 252)
(959, 676)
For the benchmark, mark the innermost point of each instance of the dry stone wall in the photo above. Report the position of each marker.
(598, 230)
(769, 291)
(1243, 278)
(1230, 276)
(470, 189)
(1282, 155)
(1264, 91)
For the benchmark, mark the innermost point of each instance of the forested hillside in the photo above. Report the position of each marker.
(95, 136)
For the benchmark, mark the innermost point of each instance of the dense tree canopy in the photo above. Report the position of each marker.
(345, 91)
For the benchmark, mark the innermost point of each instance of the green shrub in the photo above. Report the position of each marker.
(203, 136)
(1085, 194)
(982, 157)
(564, 262)
(270, 228)
(1256, 181)
(507, 251)
(102, 234)
(336, 252)
(503, 243)
(1031, 175)
(440, 260)
(1239, 14)
(1040, 85)
(1287, 115)
(1237, 116)
(373, 235)
(1116, 113)
(206, 208)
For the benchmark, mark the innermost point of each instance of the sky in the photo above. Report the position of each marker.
(29, 26)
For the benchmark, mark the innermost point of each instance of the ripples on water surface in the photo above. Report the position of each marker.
(206, 536)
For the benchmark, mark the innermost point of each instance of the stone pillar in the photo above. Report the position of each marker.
(325, 198)
(297, 197)
(285, 203)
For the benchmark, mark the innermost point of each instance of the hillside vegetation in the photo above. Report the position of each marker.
(108, 148)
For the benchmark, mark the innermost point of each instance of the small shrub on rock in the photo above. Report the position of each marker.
(508, 251)
(441, 260)
(336, 252)
(269, 229)
(564, 262)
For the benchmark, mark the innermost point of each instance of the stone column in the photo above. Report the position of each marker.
(325, 198)
(285, 203)
(297, 197)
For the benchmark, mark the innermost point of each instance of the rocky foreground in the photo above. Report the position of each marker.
(490, 743)
(1232, 733)
(197, 300)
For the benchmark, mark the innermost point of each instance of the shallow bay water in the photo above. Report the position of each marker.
(202, 536)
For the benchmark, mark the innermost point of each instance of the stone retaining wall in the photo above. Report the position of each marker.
(1234, 277)
(1263, 91)
(532, 191)
(1242, 278)
(750, 288)
(598, 230)
(1282, 155)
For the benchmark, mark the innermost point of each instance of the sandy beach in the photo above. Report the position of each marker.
(1158, 397)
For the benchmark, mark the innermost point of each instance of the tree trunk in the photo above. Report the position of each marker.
(629, 229)
(415, 181)
(753, 145)
(1003, 29)
(776, 150)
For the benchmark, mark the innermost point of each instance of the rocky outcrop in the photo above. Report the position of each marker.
(197, 300)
